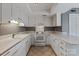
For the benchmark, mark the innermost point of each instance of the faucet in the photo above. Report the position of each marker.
(13, 35)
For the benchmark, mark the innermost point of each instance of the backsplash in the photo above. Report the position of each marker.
(13, 28)
(56, 28)
(9, 28)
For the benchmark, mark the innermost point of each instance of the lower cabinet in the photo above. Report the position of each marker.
(20, 49)
(63, 48)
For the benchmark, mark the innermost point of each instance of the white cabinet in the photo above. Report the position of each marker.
(6, 12)
(54, 42)
(17, 12)
(20, 13)
(57, 45)
(20, 49)
(62, 47)
(56, 19)
(74, 24)
(28, 44)
(58, 22)
(35, 20)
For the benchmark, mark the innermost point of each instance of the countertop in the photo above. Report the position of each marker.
(6, 41)
(65, 37)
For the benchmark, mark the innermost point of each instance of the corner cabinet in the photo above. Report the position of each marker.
(20, 49)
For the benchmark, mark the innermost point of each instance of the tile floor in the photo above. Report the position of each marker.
(41, 51)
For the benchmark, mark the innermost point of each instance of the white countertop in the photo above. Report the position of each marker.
(6, 42)
(65, 37)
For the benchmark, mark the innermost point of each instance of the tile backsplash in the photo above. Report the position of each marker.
(13, 28)
(9, 28)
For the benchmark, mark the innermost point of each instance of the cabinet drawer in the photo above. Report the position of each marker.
(13, 50)
(62, 43)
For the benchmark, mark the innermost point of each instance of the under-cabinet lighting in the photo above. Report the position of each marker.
(13, 21)
(21, 24)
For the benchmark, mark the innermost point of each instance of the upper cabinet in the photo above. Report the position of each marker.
(56, 19)
(6, 12)
(20, 13)
(0, 13)
(65, 22)
(74, 24)
(39, 19)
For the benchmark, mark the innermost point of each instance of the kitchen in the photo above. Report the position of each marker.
(39, 29)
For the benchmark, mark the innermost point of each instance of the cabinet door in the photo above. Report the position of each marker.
(21, 51)
(19, 13)
(74, 24)
(48, 40)
(58, 21)
(6, 12)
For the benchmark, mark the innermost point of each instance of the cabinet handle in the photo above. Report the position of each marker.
(61, 47)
